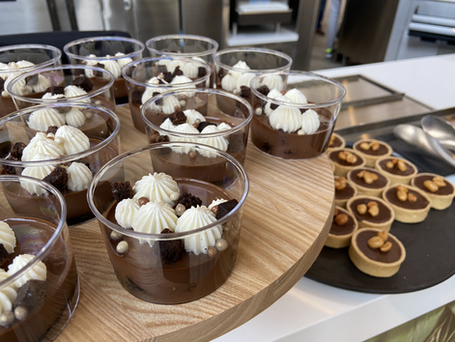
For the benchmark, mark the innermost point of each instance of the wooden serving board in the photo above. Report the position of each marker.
(286, 219)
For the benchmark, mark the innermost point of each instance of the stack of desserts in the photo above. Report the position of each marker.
(377, 188)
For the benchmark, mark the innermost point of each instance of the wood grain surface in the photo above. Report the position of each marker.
(286, 219)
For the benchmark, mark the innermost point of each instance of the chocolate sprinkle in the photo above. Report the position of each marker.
(83, 82)
(58, 178)
(177, 118)
(121, 191)
(225, 207)
(171, 250)
(188, 200)
(16, 151)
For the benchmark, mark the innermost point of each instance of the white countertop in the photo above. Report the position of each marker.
(314, 312)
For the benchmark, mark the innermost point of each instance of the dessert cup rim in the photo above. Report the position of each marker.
(33, 46)
(184, 36)
(200, 135)
(216, 59)
(89, 95)
(163, 237)
(199, 80)
(336, 100)
(103, 38)
(58, 231)
(72, 157)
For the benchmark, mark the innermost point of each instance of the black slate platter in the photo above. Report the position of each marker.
(430, 245)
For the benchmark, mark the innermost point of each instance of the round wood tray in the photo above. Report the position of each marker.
(286, 219)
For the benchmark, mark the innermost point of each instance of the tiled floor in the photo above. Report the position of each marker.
(318, 60)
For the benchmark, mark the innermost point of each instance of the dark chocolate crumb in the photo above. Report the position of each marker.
(122, 191)
(3, 254)
(245, 92)
(264, 90)
(52, 129)
(167, 77)
(16, 151)
(225, 207)
(83, 82)
(158, 102)
(58, 178)
(177, 72)
(171, 250)
(8, 169)
(188, 200)
(32, 80)
(201, 72)
(273, 106)
(31, 295)
(54, 90)
(177, 118)
(204, 124)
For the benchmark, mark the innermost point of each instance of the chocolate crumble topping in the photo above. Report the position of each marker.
(225, 207)
(83, 82)
(188, 200)
(172, 250)
(122, 191)
(58, 178)
(16, 151)
(177, 118)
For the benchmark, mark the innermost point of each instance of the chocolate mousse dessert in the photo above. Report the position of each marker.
(345, 160)
(170, 75)
(343, 226)
(372, 150)
(397, 170)
(368, 181)
(371, 212)
(38, 300)
(158, 267)
(410, 205)
(376, 252)
(216, 129)
(344, 191)
(439, 190)
(59, 141)
(289, 129)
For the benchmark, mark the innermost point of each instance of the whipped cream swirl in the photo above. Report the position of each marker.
(38, 271)
(157, 188)
(8, 294)
(7, 237)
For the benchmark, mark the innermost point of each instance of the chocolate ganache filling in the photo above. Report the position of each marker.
(383, 216)
(344, 229)
(334, 155)
(345, 193)
(420, 203)
(377, 184)
(444, 190)
(393, 255)
(382, 150)
(395, 170)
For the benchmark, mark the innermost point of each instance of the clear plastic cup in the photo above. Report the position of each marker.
(190, 261)
(111, 53)
(184, 45)
(149, 77)
(45, 85)
(99, 124)
(38, 277)
(40, 55)
(236, 67)
(288, 124)
(228, 129)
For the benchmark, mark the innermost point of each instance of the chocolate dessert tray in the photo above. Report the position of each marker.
(429, 244)
(285, 223)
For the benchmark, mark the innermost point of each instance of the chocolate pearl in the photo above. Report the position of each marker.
(142, 201)
(192, 155)
(115, 235)
(21, 313)
(122, 247)
(221, 245)
(6, 318)
(211, 251)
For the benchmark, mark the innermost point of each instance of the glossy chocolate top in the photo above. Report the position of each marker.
(384, 212)
(377, 184)
(421, 203)
(444, 190)
(383, 150)
(395, 170)
(344, 229)
(393, 255)
(344, 194)
(336, 142)
(334, 155)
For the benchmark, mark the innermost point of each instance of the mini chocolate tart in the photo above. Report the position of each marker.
(371, 212)
(343, 226)
(345, 160)
(372, 150)
(336, 141)
(410, 204)
(375, 253)
(438, 189)
(344, 191)
(368, 182)
(398, 170)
